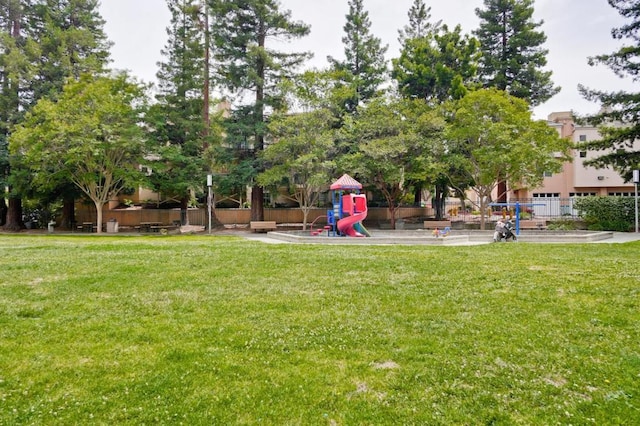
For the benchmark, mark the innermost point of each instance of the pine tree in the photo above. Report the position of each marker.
(72, 41)
(364, 68)
(245, 62)
(619, 120)
(15, 51)
(437, 67)
(179, 128)
(512, 54)
(419, 23)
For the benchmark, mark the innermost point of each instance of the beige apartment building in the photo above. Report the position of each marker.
(575, 180)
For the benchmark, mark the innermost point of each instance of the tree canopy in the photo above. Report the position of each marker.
(42, 44)
(284, 128)
(437, 67)
(89, 136)
(492, 137)
(241, 33)
(179, 133)
(420, 24)
(619, 120)
(364, 68)
(513, 56)
(399, 142)
(302, 158)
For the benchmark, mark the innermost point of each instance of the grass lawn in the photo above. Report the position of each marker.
(220, 330)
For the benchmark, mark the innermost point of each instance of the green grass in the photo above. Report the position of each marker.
(220, 330)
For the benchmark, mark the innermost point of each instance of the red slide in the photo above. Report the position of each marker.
(345, 225)
(356, 208)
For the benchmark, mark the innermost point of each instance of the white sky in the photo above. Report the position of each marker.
(575, 29)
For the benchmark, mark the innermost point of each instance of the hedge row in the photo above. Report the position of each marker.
(607, 213)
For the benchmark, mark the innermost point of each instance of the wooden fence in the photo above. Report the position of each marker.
(133, 217)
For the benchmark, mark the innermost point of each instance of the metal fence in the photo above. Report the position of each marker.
(541, 207)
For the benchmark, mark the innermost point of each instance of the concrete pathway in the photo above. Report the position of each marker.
(621, 237)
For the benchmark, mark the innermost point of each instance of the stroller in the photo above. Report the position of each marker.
(504, 230)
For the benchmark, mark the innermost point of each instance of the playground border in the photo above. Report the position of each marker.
(419, 237)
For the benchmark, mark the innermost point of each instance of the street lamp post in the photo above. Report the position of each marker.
(209, 183)
(636, 180)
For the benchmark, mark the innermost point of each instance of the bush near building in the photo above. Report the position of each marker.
(607, 213)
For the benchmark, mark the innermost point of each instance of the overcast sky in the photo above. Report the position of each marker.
(575, 29)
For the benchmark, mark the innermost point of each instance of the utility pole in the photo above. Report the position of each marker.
(209, 200)
(636, 180)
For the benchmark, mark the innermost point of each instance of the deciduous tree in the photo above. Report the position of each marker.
(513, 57)
(493, 137)
(89, 136)
(44, 42)
(399, 142)
(302, 157)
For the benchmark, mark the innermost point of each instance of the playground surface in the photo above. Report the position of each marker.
(455, 238)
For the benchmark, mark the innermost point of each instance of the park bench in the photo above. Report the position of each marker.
(262, 225)
(86, 227)
(437, 224)
(164, 227)
(533, 224)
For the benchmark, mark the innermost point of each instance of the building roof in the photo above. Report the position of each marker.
(346, 182)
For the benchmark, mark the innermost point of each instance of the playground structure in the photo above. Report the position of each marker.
(441, 232)
(349, 209)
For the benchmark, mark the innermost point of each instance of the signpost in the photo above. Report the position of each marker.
(209, 184)
(636, 180)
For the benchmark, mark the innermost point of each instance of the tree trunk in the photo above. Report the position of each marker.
(257, 203)
(502, 191)
(438, 204)
(99, 205)
(392, 213)
(483, 212)
(184, 206)
(439, 199)
(68, 213)
(14, 215)
(305, 216)
(257, 193)
(14, 212)
(3, 211)
(207, 77)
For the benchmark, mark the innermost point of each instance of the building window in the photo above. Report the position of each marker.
(582, 194)
(621, 194)
(546, 194)
(583, 154)
(582, 138)
(547, 174)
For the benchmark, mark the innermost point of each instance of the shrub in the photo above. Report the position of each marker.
(607, 213)
(562, 225)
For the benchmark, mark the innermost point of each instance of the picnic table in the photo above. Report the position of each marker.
(150, 226)
(87, 227)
